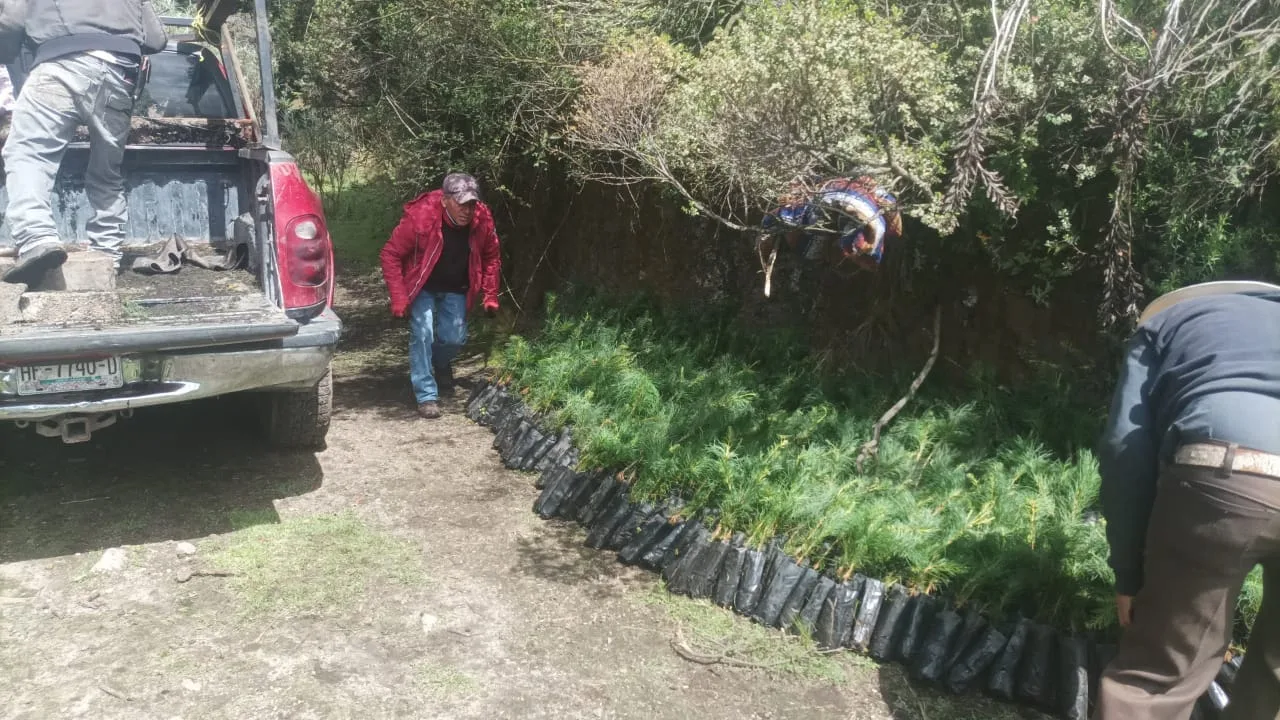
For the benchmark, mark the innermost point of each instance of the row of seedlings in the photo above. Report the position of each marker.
(1014, 659)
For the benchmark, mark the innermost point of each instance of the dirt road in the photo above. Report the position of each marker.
(400, 573)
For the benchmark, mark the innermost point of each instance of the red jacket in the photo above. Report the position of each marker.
(415, 246)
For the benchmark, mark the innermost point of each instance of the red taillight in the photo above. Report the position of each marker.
(308, 242)
(303, 246)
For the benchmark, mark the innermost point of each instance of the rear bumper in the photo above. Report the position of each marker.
(155, 378)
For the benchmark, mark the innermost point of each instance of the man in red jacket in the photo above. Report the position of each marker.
(441, 258)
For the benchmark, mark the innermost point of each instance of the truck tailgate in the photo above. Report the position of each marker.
(134, 313)
(46, 343)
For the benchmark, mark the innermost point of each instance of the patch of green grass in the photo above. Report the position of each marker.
(133, 311)
(712, 631)
(322, 565)
(441, 682)
(361, 217)
(241, 519)
(707, 629)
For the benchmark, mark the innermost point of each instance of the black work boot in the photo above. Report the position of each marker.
(444, 379)
(32, 266)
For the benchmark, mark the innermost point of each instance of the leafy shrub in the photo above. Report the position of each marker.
(724, 102)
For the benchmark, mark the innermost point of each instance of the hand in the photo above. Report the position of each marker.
(1124, 609)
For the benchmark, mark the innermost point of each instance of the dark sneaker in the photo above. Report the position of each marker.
(429, 410)
(32, 266)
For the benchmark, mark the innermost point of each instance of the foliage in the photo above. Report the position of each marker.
(440, 86)
(792, 91)
(321, 143)
(979, 492)
(1049, 139)
(1058, 122)
(735, 423)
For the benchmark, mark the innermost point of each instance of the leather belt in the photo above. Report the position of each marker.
(1228, 459)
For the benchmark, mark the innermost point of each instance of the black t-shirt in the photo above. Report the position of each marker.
(450, 274)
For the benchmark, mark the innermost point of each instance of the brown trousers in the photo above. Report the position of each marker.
(1206, 533)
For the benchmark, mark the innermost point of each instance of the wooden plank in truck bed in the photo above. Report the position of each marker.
(145, 131)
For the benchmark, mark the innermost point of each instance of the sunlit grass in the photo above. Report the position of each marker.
(315, 566)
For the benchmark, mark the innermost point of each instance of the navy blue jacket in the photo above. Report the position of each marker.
(1204, 369)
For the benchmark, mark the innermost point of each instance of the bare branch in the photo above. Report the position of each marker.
(872, 446)
(902, 172)
(970, 168)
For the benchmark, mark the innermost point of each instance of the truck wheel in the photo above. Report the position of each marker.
(300, 420)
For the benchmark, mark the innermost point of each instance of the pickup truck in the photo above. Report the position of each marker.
(205, 172)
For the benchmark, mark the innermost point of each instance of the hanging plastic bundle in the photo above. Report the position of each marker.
(860, 213)
(866, 216)
(794, 219)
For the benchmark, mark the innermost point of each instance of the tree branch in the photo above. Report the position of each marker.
(872, 446)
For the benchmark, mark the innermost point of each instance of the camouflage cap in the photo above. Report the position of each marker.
(461, 187)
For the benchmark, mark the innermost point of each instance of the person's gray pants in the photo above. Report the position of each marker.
(57, 97)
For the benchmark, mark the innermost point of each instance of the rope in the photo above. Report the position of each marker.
(200, 27)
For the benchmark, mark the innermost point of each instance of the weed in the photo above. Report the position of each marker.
(708, 629)
(131, 310)
(323, 565)
(441, 682)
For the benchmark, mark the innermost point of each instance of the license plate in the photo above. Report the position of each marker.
(70, 377)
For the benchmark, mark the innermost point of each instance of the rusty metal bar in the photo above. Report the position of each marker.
(270, 125)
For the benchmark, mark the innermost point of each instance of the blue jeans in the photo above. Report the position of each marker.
(59, 95)
(437, 330)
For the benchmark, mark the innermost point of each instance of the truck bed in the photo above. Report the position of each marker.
(196, 194)
(185, 178)
(117, 310)
(99, 296)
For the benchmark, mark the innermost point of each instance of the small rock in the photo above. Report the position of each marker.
(429, 622)
(185, 549)
(113, 560)
(192, 685)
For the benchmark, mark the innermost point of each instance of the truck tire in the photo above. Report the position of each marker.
(300, 420)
